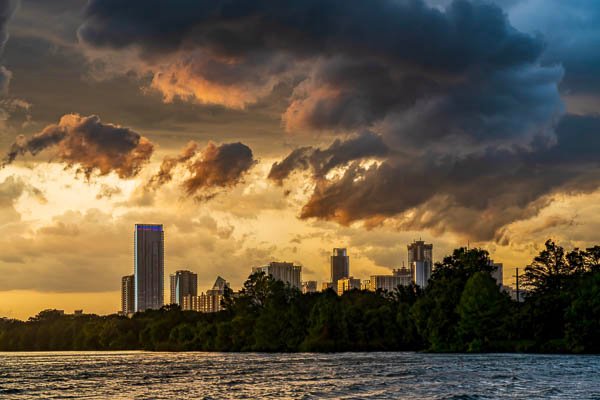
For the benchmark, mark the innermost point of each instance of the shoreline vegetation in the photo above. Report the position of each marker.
(461, 310)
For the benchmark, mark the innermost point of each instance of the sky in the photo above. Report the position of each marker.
(263, 130)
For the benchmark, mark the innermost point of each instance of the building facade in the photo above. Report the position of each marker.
(309, 287)
(347, 284)
(340, 266)
(386, 282)
(149, 266)
(282, 271)
(405, 275)
(127, 295)
(183, 283)
(420, 259)
(207, 302)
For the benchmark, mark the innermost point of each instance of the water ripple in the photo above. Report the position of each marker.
(139, 375)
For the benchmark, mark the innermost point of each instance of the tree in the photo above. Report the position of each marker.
(483, 311)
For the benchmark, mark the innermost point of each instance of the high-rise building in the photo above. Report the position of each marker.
(127, 295)
(420, 259)
(347, 284)
(282, 271)
(149, 266)
(309, 287)
(183, 283)
(340, 266)
(207, 302)
(405, 275)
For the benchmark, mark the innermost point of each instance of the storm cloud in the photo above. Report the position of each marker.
(468, 75)
(463, 110)
(476, 195)
(89, 144)
(339, 153)
(218, 166)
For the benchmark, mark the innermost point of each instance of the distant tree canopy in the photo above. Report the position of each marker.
(461, 309)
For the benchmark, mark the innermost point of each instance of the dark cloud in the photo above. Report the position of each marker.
(463, 105)
(164, 175)
(7, 9)
(462, 73)
(476, 195)
(339, 153)
(90, 144)
(217, 167)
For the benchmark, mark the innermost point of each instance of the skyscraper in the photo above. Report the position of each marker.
(127, 295)
(183, 283)
(149, 266)
(420, 260)
(340, 266)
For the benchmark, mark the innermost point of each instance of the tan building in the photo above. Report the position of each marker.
(326, 285)
(183, 283)
(207, 302)
(127, 295)
(347, 284)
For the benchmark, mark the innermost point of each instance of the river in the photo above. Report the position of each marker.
(141, 375)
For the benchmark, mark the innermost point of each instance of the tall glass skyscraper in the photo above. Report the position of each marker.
(340, 266)
(149, 266)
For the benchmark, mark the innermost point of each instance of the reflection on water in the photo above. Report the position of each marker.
(125, 375)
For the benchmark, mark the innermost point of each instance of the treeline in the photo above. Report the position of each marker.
(462, 309)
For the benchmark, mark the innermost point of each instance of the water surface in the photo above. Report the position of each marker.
(139, 375)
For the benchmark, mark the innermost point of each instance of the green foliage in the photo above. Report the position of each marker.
(462, 309)
(483, 311)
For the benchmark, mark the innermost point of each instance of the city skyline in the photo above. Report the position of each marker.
(328, 127)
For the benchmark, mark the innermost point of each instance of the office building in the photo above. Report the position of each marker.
(183, 283)
(404, 275)
(421, 273)
(365, 284)
(340, 266)
(347, 284)
(420, 259)
(326, 286)
(282, 271)
(127, 295)
(387, 283)
(309, 287)
(149, 266)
